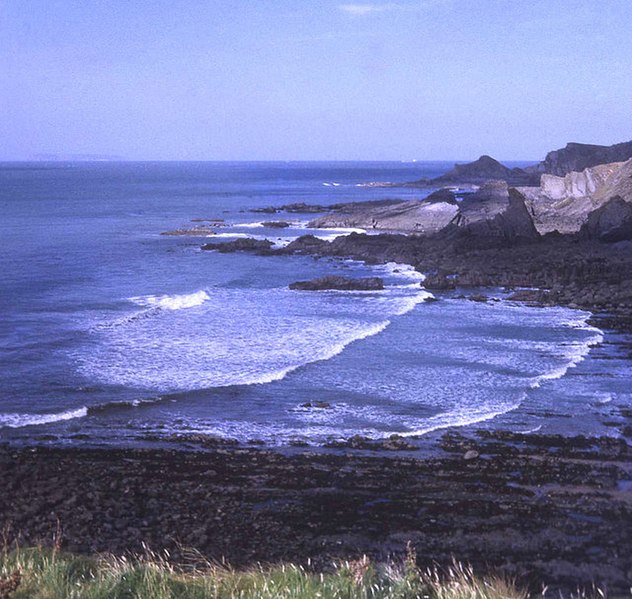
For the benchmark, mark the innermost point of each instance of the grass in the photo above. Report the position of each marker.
(39, 573)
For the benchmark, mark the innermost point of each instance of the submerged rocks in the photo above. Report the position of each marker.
(297, 207)
(319, 405)
(339, 283)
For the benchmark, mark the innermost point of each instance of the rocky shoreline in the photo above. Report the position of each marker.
(547, 510)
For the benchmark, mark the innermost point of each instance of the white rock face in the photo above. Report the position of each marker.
(578, 185)
(564, 203)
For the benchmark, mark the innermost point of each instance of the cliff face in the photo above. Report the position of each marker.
(577, 157)
(564, 204)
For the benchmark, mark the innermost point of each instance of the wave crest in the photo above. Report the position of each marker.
(172, 302)
(19, 420)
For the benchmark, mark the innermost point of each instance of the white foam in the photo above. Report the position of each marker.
(604, 398)
(465, 417)
(576, 352)
(234, 339)
(532, 430)
(343, 230)
(20, 420)
(232, 236)
(256, 225)
(172, 302)
(409, 303)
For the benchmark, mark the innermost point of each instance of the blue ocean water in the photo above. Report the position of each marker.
(111, 332)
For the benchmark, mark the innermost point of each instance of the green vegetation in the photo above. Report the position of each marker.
(50, 574)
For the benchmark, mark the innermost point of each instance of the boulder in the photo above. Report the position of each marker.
(339, 283)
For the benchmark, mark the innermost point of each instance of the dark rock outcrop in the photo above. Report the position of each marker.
(306, 244)
(611, 222)
(483, 169)
(495, 213)
(276, 224)
(246, 244)
(339, 283)
(577, 157)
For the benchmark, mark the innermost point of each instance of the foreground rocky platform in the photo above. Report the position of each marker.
(546, 509)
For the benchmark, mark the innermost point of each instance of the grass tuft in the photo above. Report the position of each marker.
(39, 573)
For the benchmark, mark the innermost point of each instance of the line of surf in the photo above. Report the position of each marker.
(17, 420)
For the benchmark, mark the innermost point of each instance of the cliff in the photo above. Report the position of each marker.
(577, 157)
(564, 204)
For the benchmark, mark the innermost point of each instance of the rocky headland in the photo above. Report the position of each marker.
(574, 157)
(565, 241)
(479, 171)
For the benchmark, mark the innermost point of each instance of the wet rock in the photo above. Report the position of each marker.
(321, 405)
(478, 298)
(247, 244)
(339, 283)
(276, 224)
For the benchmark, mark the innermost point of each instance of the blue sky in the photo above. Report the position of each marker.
(299, 80)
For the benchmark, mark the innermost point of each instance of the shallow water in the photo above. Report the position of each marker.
(110, 332)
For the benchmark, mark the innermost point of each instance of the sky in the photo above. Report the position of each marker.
(312, 79)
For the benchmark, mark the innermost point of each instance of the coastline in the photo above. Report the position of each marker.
(549, 510)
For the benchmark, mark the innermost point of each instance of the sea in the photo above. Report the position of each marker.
(114, 334)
